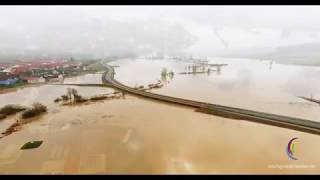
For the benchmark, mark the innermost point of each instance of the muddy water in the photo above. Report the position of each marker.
(251, 84)
(135, 135)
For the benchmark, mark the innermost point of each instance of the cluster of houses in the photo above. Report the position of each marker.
(37, 71)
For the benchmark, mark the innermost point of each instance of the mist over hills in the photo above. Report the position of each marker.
(96, 38)
(302, 54)
(84, 32)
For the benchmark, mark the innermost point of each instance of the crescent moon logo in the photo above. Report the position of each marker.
(290, 149)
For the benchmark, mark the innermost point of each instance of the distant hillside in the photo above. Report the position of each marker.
(303, 54)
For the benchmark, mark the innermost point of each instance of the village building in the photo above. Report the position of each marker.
(6, 79)
(38, 71)
(33, 80)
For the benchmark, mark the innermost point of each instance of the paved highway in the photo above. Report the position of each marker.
(219, 110)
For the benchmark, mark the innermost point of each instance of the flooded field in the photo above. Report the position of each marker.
(251, 84)
(137, 135)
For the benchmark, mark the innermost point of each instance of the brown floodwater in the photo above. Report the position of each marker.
(137, 135)
(251, 84)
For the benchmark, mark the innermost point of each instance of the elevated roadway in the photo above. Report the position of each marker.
(303, 125)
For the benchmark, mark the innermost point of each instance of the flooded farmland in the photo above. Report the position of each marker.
(137, 135)
(252, 84)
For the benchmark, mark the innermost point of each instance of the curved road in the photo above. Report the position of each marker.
(218, 110)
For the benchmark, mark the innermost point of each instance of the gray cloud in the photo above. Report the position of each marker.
(141, 30)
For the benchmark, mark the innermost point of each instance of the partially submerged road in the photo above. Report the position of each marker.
(218, 110)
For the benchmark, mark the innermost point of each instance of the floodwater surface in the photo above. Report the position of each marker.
(137, 135)
(251, 84)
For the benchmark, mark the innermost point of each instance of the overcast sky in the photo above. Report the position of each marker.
(198, 30)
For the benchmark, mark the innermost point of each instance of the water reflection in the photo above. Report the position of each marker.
(244, 83)
(135, 135)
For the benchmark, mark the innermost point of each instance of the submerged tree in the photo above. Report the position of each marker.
(171, 74)
(164, 72)
(72, 93)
